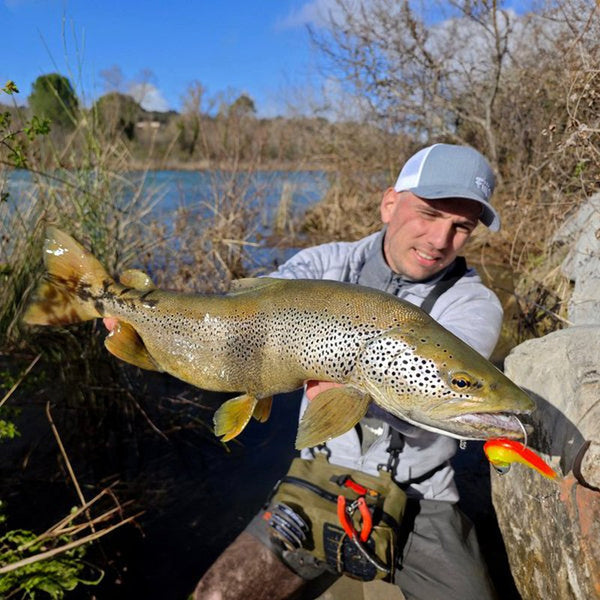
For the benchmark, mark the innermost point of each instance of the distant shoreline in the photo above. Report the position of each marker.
(203, 165)
(206, 165)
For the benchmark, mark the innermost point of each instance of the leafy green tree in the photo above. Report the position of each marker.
(52, 97)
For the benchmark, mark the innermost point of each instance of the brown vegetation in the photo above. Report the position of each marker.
(523, 90)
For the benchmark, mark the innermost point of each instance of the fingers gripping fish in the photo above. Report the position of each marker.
(271, 335)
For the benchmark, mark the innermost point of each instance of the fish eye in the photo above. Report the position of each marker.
(460, 382)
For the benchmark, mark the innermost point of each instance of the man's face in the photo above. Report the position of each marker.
(424, 236)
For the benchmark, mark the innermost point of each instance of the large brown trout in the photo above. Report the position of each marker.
(271, 335)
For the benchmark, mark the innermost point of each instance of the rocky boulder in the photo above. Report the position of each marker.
(551, 530)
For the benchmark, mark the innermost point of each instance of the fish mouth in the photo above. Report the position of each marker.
(494, 424)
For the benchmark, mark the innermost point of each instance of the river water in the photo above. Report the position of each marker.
(201, 193)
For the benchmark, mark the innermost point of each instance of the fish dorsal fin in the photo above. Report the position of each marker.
(232, 416)
(262, 410)
(136, 279)
(330, 414)
(125, 343)
(251, 283)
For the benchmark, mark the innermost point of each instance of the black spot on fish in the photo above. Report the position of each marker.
(82, 290)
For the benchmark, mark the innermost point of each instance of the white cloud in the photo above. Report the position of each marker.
(148, 96)
(314, 12)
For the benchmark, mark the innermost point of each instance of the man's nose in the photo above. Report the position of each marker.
(441, 234)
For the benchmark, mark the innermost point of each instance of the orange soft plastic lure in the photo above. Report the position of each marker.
(502, 452)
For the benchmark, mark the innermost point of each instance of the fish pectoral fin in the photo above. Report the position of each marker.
(262, 410)
(251, 283)
(125, 343)
(136, 279)
(232, 416)
(330, 414)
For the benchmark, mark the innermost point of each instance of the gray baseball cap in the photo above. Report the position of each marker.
(449, 171)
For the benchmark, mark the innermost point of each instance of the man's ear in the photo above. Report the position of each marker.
(388, 204)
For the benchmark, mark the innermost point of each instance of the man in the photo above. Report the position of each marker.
(441, 194)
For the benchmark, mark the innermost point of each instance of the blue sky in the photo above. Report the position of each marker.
(234, 46)
(260, 48)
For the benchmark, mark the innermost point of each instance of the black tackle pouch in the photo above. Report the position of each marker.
(342, 517)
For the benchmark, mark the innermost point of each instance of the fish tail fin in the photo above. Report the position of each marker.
(74, 278)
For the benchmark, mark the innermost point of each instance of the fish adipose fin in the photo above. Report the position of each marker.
(73, 275)
(330, 414)
(125, 343)
(262, 410)
(232, 416)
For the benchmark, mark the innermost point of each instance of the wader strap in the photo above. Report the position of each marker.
(394, 449)
(459, 268)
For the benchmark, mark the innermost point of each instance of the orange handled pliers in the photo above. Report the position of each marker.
(345, 512)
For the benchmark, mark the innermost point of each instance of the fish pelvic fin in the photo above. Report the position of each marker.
(232, 416)
(330, 414)
(125, 343)
(73, 276)
(262, 410)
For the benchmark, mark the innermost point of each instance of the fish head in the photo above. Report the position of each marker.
(429, 377)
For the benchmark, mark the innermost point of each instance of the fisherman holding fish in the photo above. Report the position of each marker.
(388, 386)
(441, 194)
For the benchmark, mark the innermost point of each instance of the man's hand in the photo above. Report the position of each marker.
(110, 323)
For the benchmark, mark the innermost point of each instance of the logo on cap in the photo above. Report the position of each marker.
(484, 186)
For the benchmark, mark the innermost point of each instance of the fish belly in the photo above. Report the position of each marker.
(227, 355)
(260, 343)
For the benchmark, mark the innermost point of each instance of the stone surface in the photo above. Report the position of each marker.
(582, 233)
(552, 530)
(588, 471)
